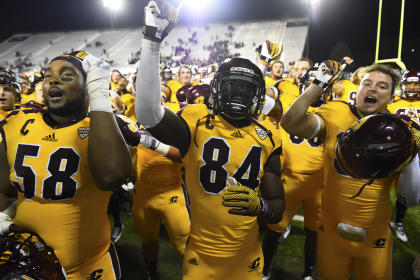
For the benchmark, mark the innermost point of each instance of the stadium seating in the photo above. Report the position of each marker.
(122, 47)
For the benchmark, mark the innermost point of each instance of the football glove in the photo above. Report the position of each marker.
(98, 75)
(268, 51)
(5, 222)
(243, 200)
(160, 17)
(329, 71)
(150, 142)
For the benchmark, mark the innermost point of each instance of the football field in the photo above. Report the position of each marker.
(288, 263)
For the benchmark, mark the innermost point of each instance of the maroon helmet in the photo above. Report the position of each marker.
(25, 255)
(199, 94)
(410, 85)
(182, 93)
(375, 147)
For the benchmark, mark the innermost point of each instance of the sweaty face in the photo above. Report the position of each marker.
(301, 67)
(185, 75)
(374, 93)
(7, 98)
(64, 89)
(277, 71)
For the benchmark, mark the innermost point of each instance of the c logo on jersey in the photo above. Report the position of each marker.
(255, 264)
(23, 130)
(96, 275)
(173, 199)
(379, 243)
(83, 132)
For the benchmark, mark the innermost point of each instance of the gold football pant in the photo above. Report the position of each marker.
(367, 260)
(106, 267)
(299, 189)
(151, 207)
(246, 265)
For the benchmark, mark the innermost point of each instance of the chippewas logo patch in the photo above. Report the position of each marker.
(83, 132)
(261, 133)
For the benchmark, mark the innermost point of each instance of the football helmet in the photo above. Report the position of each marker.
(8, 77)
(25, 255)
(374, 147)
(199, 94)
(182, 93)
(237, 89)
(410, 85)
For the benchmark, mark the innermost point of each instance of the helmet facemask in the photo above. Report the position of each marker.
(238, 96)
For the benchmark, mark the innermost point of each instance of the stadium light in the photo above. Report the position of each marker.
(113, 5)
(196, 7)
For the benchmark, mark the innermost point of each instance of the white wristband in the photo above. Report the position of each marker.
(276, 91)
(318, 127)
(162, 149)
(268, 105)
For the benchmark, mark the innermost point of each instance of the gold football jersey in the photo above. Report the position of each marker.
(287, 87)
(269, 81)
(349, 94)
(128, 101)
(405, 107)
(27, 97)
(57, 196)
(155, 171)
(371, 209)
(218, 150)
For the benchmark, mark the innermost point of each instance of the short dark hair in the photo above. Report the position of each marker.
(387, 70)
(311, 63)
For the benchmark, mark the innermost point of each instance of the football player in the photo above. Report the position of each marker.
(9, 92)
(63, 162)
(346, 90)
(115, 77)
(354, 235)
(217, 144)
(409, 105)
(276, 73)
(291, 86)
(159, 196)
(302, 178)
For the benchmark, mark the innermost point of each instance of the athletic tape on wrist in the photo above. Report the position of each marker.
(318, 127)
(268, 105)
(162, 149)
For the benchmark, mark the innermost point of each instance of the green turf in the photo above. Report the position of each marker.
(288, 263)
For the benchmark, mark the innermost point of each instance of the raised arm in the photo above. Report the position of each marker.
(296, 120)
(109, 157)
(160, 18)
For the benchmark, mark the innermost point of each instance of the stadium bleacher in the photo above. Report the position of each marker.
(121, 47)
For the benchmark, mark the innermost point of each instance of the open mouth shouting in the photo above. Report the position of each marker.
(370, 100)
(55, 94)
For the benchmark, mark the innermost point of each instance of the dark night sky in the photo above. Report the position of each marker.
(339, 27)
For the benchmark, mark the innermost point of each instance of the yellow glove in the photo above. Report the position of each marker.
(243, 200)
